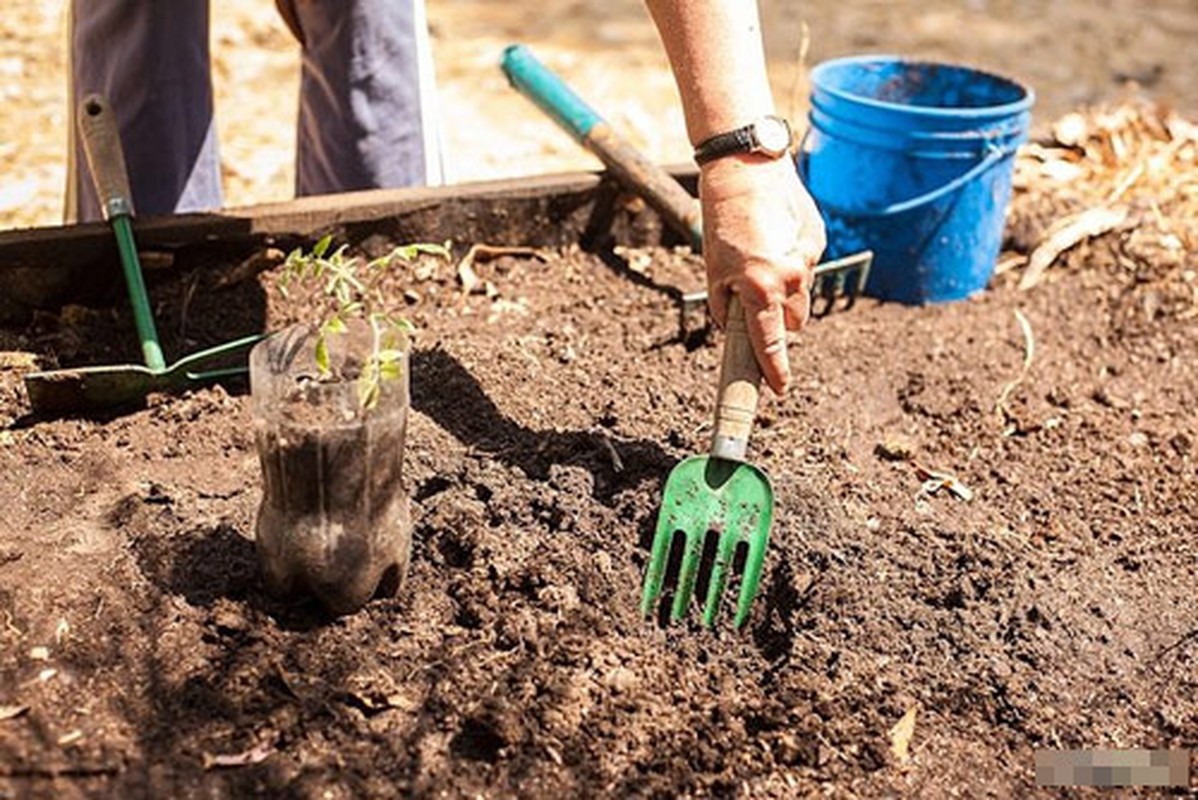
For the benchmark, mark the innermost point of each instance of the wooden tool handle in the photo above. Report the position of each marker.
(630, 167)
(740, 387)
(105, 158)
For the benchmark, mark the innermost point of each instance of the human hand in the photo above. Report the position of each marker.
(762, 235)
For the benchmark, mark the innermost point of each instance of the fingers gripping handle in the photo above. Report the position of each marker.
(102, 146)
(740, 387)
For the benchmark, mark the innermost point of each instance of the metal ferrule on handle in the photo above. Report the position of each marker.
(636, 172)
(739, 389)
(105, 157)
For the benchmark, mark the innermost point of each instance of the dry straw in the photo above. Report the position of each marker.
(1124, 179)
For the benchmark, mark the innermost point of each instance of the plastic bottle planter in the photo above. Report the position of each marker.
(334, 519)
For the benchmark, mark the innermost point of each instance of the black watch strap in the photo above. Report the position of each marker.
(769, 136)
(725, 144)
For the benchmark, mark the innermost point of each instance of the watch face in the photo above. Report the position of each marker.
(773, 135)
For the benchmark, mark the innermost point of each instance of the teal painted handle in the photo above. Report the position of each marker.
(532, 79)
(631, 168)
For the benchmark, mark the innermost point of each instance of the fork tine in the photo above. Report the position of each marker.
(751, 578)
(655, 575)
(719, 574)
(687, 574)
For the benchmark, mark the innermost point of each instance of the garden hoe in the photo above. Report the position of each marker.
(91, 388)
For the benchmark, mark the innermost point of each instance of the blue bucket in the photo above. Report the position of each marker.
(913, 160)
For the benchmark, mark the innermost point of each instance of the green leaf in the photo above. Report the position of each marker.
(333, 325)
(397, 323)
(322, 355)
(321, 246)
(368, 392)
(380, 262)
(393, 340)
(390, 370)
(389, 356)
(410, 251)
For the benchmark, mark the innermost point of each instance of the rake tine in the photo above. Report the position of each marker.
(862, 277)
(827, 287)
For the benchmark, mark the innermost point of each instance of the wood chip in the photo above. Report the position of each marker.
(934, 481)
(1068, 233)
(1071, 130)
(895, 447)
(255, 755)
(467, 276)
(901, 735)
(70, 738)
(12, 712)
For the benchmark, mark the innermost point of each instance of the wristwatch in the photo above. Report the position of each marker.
(768, 136)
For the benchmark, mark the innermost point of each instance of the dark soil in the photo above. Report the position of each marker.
(1054, 609)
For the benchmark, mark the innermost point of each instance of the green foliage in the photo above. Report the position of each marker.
(348, 287)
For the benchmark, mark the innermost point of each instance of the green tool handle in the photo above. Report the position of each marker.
(629, 166)
(106, 160)
(739, 388)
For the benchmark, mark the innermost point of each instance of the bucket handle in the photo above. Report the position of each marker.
(994, 154)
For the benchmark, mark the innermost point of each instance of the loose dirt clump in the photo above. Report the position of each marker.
(1055, 608)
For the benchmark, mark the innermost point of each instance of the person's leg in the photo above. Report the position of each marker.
(150, 59)
(366, 118)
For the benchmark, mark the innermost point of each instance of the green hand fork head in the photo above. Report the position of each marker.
(717, 497)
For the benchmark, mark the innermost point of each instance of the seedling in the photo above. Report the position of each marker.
(349, 288)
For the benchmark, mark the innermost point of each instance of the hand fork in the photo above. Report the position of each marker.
(717, 497)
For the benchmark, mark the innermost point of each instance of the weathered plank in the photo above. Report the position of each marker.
(47, 267)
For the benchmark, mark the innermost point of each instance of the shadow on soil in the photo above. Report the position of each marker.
(446, 391)
(192, 312)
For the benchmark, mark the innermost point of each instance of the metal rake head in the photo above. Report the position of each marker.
(840, 281)
(836, 284)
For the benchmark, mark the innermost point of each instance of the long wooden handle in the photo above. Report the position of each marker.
(630, 167)
(105, 158)
(739, 389)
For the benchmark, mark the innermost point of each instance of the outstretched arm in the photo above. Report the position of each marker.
(762, 233)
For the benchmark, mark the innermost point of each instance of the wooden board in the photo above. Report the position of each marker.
(48, 267)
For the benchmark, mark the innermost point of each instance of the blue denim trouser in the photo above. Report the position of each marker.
(364, 118)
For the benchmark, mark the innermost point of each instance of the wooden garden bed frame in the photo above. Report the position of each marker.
(45, 268)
